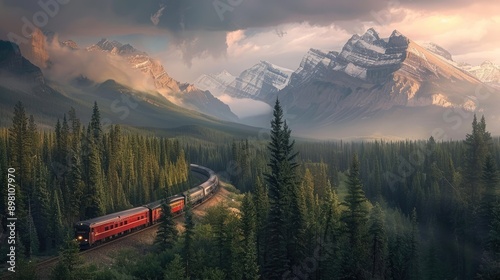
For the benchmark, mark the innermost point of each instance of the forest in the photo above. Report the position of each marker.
(308, 210)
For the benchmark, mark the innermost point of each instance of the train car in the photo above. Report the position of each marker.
(196, 195)
(210, 185)
(99, 229)
(176, 203)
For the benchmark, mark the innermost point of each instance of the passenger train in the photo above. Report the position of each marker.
(100, 229)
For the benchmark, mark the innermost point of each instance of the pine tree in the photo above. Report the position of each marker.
(68, 266)
(490, 179)
(261, 202)
(477, 144)
(175, 270)
(378, 242)
(95, 124)
(249, 227)
(355, 218)
(356, 214)
(167, 231)
(188, 250)
(280, 181)
(94, 207)
(413, 245)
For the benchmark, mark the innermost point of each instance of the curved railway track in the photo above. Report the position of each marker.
(44, 264)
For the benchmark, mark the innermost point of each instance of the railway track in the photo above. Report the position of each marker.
(47, 263)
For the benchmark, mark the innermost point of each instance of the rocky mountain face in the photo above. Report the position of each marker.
(487, 72)
(260, 82)
(139, 60)
(216, 84)
(313, 64)
(190, 96)
(36, 49)
(371, 79)
(13, 63)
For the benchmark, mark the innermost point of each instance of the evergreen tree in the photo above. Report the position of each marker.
(261, 202)
(167, 231)
(280, 181)
(188, 250)
(94, 207)
(68, 266)
(413, 245)
(355, 218)
(378, 242)
(490, 179)
(249, 227)
(175, 270)
(356, 214)
(95, 124)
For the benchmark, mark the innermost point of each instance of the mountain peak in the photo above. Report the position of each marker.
(105, 44)
(370, 35)
(487, 63)
(396, 33)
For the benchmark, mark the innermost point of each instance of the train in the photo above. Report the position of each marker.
(97, 230)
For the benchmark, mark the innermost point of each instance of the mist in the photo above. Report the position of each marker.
(68, 64)
(245, 107)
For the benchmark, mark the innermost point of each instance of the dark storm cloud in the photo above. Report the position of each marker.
(199, 26)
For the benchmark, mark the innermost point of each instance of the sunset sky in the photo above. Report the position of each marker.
(192, 37)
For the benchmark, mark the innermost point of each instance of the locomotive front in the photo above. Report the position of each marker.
(82, 233)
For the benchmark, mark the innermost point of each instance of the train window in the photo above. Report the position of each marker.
(125, 222)
(142, 217)
(121, 224)
(138, 218)
(111, 227)
(106, 228)
(116, 225)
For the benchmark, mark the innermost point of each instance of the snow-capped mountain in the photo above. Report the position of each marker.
(438, 50)
(259, 82)
(216, 84)
(190, 96)
(373, 78)
(487, 72)
(313, 64)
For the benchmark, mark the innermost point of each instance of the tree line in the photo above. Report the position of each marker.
(77, 172)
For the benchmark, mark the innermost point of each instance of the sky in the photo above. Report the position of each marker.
(194, 37)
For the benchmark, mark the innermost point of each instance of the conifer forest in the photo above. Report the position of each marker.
(379, 209)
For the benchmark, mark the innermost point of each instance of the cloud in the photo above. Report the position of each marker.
(155, 19)
(245, 107)
(198, 27)
(97, 66)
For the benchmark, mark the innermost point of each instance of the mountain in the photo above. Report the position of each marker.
(313, 64)
(35, 50)
(21, 80)
(487, 72)
(438, 50)
(259, 82)
(377, 86)
(12, 63)
(216, 84)
(189, 96)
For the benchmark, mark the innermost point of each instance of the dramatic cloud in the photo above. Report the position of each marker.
(97, 66)
(197, 29)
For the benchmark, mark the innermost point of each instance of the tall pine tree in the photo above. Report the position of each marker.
(281, 181)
